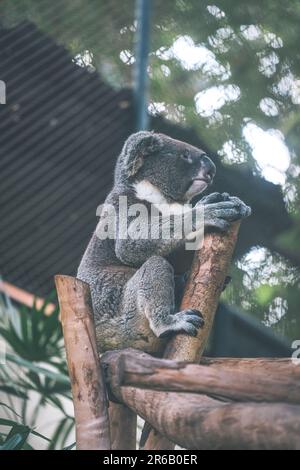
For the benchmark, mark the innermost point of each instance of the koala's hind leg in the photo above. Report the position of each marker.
(151, 292)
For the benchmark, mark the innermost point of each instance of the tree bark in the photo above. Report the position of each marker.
(268, 380)
(87, 381)
(202, 292)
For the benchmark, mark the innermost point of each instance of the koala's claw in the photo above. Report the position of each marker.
(233, 209)
(194, 320)
(211, 198)
(187, 321)
(195, 316)
(214, 197)
(220, 214)
(243, 209)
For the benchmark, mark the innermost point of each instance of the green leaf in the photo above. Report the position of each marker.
(13, 424)
(11, 390)
(35, 433)
(16, 437)
(13, 443)
(7, 422)
(10, 408)
(70, 447)
(38, 369)
(58, 432)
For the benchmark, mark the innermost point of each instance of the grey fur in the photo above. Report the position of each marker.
(132, 281)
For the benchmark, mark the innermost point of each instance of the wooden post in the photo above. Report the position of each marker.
(202, 292)
(123, 426)
(87, 381)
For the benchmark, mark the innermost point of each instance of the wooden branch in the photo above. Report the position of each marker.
(202, 292)
(88, 386)
(123, 427)
(200, 422)
(268, 380)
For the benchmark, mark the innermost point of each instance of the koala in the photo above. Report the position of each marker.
(132, 280)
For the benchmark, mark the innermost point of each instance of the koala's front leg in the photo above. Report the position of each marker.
(153, 288)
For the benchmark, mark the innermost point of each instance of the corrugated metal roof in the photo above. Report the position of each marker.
(60, 134)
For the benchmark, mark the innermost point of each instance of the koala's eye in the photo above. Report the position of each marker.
(186, 156)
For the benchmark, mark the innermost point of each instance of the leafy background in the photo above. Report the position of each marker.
(36, 408)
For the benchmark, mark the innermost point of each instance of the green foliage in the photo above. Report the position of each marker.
(33, 335)
(16, 438)
(266, 286)
(34, 376)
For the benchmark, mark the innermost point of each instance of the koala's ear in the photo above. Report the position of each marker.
(138, 147)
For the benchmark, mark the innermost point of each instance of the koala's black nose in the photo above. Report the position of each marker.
(208, 166)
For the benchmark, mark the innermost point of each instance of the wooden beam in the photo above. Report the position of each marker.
(200, 422)
(268, 380)
(123, 427)
(87, 381)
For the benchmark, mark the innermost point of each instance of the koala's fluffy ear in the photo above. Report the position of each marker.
(136, 148)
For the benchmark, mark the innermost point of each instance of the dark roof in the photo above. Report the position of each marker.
(60, 133)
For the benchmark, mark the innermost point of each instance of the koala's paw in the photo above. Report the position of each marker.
(220, 214)
(214, 197)
(244, 210)
(187, 321)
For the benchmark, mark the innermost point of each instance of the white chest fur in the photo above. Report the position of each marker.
(146, 191)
